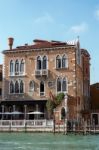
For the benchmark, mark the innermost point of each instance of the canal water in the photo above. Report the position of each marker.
(47, 141)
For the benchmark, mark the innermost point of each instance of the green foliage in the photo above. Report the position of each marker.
(59, 98)
(51, 104)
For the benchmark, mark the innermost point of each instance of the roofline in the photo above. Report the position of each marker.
(36, 49)
(94, 84)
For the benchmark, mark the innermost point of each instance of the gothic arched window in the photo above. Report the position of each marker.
(11, 66)
(21, 87)
(41, 88)
(11, 87)
(44, 62)
(59, 85)
(64, 85)
(22, 66)
(17, 66)
(16, 87)
(38, 62)
(64, 62)
(58, 62)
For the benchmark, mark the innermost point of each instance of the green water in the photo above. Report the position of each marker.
(47, 141)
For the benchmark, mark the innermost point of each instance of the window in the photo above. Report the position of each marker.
(58, 62)
(64, 88)
(0, 91)
(44, 62)
(64, 62)
(17, 66)
(16, 87)
(38, 62)
(41, 88)
(21, 87)
(61, 62)
(61, 85)
(31, 86)
(11, 87)
(11, 66)
(22, 66)
(58, 85)
(0, 76)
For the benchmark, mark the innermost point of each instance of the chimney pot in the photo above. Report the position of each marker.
(10, 42)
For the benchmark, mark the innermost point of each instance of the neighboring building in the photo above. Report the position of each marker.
(94, 95)
(31, 72)
(86, 82)
(0, 83)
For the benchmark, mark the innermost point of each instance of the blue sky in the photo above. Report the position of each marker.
(62, 20)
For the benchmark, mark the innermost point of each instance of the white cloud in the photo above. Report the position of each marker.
(79, 28)
(46, 18)
(97, 14)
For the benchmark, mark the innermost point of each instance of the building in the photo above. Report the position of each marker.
(86, 83)
(94, 95)
(31, 72)
(0, 83)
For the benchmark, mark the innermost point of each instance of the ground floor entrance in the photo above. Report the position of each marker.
(34, 109)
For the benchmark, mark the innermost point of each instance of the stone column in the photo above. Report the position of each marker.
(13, 111)
(2, 112)
(25, 111)
(66, 107)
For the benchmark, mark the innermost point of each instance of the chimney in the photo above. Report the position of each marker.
(10, 42)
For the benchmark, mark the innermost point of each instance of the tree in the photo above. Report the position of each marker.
(53, 102)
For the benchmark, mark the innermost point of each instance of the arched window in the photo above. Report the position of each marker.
(22, 66)
(11, 87)
(42, 88)
(64, 85)
(64, 62)
(44, 62)
(58, 62)
(21, 87)
(38, 62)
(17, 66)
(16, 87)
(31, 86)
(11, 66)
(59, 85)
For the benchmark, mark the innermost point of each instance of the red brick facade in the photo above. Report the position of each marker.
(44, 67)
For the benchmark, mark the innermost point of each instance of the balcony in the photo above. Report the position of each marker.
(17, 74)
(43, 72)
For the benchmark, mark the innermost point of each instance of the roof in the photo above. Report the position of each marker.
(85, 52)
(39, 44)
(95, 84)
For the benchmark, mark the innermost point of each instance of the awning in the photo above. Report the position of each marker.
(36, 113)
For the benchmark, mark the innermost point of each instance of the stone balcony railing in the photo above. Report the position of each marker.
(42, 72)
(17, 74)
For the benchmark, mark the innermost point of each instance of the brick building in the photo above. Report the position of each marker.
(0, 83)
(31, 72)
(94, 95)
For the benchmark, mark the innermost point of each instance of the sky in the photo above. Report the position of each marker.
(64, 20)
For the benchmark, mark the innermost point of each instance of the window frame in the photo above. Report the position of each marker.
(40, 89)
